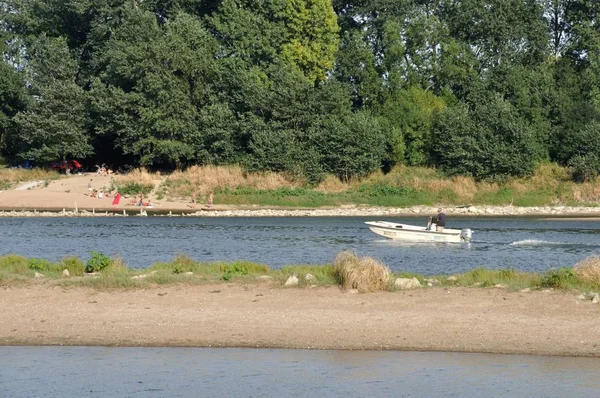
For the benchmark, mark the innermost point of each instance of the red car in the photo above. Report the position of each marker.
(63, 165)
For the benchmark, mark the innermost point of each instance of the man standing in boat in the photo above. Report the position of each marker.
(441, 220)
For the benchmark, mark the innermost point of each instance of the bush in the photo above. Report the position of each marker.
(363, 273)
(584, 168)
(561, 278)
(134, 188)
(235, 269)
(97, 262)
(39, 264)
(589, 270)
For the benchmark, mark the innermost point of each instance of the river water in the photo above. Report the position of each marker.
(527, 244)
(522, 243)
(198, 372)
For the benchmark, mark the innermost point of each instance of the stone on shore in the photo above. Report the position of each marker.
(292, 281)
(596, 298)
(309, 277)
(142, 276)
(452, 278)
(406, 283)
(38, 275)
(66, 272)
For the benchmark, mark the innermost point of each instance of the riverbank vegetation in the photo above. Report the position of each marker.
(348, 271)
(550, 184)
(311, 89)
(403, 186)
(10, 177)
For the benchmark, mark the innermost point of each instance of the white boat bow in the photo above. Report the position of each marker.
(414, 233)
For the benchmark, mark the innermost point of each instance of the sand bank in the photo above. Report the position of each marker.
(230, 315)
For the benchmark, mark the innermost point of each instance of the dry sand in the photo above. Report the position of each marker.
(230, 315)
(68, 193)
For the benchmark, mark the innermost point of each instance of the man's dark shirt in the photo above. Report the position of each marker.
(441, 220)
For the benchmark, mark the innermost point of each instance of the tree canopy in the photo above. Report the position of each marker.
(476, 87)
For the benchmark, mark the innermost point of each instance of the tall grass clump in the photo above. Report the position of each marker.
(135, 182)
(363, 273)
(13, 264)
(589, 270)
(74, 265)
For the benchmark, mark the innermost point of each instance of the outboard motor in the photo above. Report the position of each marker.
(466, 234)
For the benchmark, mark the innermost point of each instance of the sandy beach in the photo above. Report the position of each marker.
(68, 196)
(231, 315)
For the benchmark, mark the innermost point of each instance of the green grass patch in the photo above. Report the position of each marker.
(184, 270)
(134, 188)
(564, 279)
(484, 277)
(218, 270)
(323, 274)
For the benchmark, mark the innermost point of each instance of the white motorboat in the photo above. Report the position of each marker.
(414, 233)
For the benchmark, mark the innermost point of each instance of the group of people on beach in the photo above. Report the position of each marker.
(103, 170)
(100, 194)
(142, 202)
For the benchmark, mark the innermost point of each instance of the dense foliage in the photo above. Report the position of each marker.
(477, 87)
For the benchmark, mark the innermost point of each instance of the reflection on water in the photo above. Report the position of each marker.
(521, 243)
(193, 372)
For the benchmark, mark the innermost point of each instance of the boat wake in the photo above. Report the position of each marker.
(535, 242)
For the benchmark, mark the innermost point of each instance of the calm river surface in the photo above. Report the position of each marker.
(526, 244)
(199, 372)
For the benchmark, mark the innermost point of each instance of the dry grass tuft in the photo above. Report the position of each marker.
(137, 176)
(589, 269)
(332, 184)
(10, 177)
(464, 187)
(363, 273)
(118, 262)
(204, 179)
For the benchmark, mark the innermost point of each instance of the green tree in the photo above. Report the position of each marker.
(13, 98)
(352, 146)
(490, 141)
(311, 36)
(54, 126)
(303, 33)
(156, 82)
(410, 113)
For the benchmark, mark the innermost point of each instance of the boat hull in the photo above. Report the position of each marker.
(412, 233)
